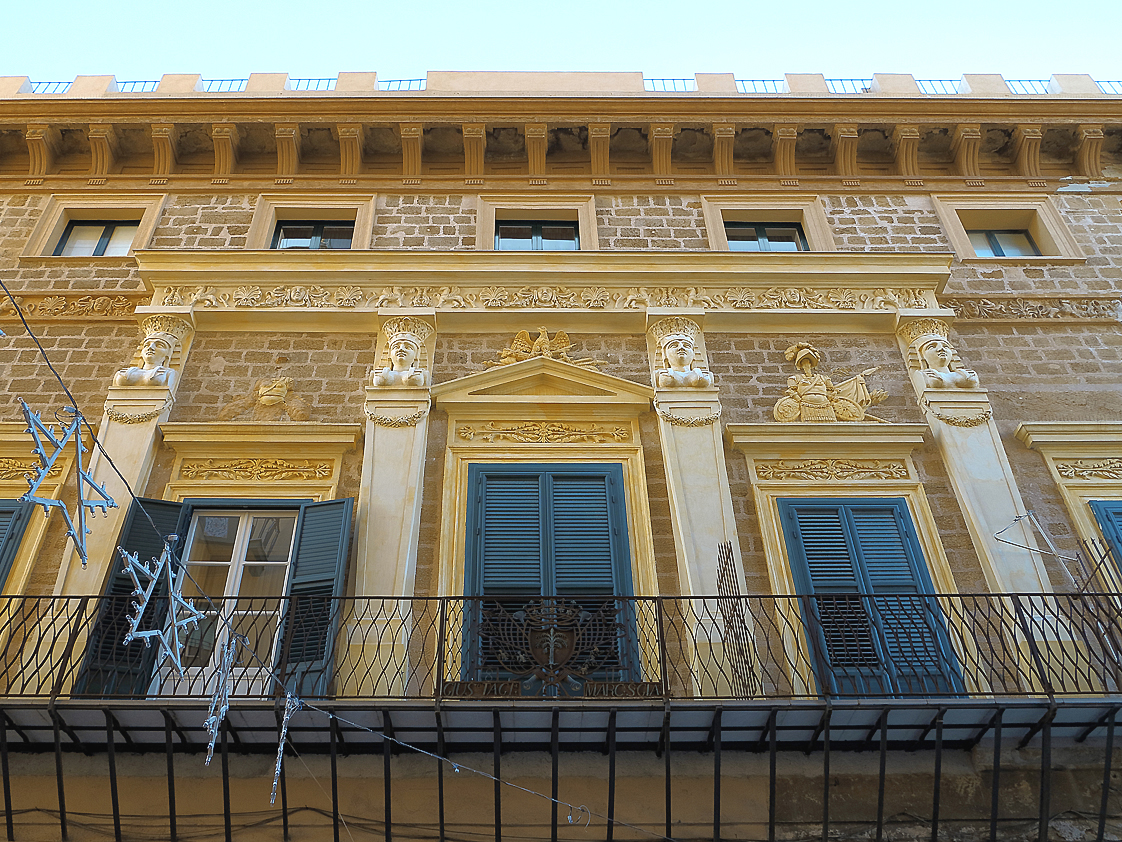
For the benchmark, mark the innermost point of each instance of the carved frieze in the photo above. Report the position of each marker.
(63, 306)
(544, 432)
(1036, 308)
(269, 470)
(832, 470)
(551, 297)
(1091, 469)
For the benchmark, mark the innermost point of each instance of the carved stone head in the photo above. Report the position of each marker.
(678, 339)
(156, 350)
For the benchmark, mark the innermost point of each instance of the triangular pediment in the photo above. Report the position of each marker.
(541, 381)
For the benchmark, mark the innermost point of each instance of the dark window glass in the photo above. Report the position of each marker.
(313, 235)
(764, 236)
(1014, 243)
(90, 238)
(535, 235)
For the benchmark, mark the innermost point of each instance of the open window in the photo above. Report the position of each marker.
(862, 580)
(271, 570)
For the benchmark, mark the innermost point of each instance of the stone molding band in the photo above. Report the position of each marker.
(135, 417)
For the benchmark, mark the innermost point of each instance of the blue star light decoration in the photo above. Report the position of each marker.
(91, 496)
(220, 701)
(182, 616)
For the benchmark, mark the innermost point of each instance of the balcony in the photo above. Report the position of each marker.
(758, 648)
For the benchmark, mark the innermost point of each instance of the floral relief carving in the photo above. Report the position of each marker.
(271, 470)
(1110, 469)
(87, 305)
(555, 297)
(16, 469)
(1036, 308)
(543, 432)
(832, 470)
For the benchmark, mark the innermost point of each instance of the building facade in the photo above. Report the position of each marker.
(752, 469)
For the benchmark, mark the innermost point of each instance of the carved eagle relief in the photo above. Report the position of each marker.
(524, 348)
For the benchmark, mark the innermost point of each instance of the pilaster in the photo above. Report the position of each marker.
(129, 436)
(662, 142)
(959, 413)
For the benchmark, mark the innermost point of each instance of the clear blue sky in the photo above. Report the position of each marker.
(931, 39)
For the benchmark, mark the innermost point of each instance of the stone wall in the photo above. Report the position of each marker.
(650, 222)
(425, 222)
(204, 221)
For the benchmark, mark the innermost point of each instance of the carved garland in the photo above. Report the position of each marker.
(683, 421)
(14, 469)
(959, 420)
(1109, 469)
(108, 306)
(832, 470)
(1036, 308)
(543, 432)
(411, 420)
(270, 470)
(135, 417)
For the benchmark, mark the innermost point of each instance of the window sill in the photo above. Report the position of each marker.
(1040, 260)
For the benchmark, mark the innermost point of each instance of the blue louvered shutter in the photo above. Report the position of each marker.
(110, 668)
(14, 515)
(310, 625)
(891, 640)
(510, 534)
(584, 537)
(1109, 515)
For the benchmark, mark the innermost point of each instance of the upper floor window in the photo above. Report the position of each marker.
(765, 236)
(323, 234)
(536, 235)
(96, 238)
(1014, 243)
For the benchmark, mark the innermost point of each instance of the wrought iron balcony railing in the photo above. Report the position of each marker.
(839, 645)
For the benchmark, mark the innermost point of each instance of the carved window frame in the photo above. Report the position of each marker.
(63, 208)
(790, 448)
(325, 207)
(1075, 454)
(1001, 211)
(495, 206)
(806, 209)
(204, 452)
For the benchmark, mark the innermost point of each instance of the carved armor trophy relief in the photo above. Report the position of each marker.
(811, 396)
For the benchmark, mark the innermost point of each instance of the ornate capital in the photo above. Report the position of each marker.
(912, 332)
(675, 326)
(173, 326)
(407, 326)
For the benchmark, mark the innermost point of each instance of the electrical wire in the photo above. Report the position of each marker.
(581, 810)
